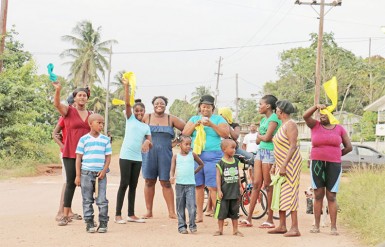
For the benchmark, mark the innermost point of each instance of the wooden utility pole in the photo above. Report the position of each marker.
(236, 98)
(322, 5)
(218, 74)
(3, 29)
(108, 94)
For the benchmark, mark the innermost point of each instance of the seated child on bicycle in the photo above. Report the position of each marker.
(229, 188)
(183, 164)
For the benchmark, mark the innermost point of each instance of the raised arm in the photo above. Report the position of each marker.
(307, 116)
(126, 84)
(62, 109)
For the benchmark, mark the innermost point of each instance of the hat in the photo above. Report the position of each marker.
(207, 99)
(70, 99)
(226, 113)
(285, 106)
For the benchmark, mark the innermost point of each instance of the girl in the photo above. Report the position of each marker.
(184, 165)
(130, 161)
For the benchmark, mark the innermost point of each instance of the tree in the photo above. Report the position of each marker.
(183, 109)
(88, 54)
(198, 93)
(14, 56)
(248, 112)
(368, 126)
(97, 101)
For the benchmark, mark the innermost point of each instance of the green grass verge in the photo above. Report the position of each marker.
(362, 201)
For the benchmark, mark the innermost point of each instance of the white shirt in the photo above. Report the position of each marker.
(250, 141)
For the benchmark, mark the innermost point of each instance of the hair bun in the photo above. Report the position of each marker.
(138, 101)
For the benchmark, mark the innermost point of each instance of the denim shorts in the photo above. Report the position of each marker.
(266, 156)
(207, 176)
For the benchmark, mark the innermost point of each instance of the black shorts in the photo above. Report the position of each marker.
(325, 174)
(227, 208)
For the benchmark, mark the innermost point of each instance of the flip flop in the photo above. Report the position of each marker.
(129, 219)
(315, 230)
(245, 223)
(267, 225)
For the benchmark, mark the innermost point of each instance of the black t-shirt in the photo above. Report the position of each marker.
(230, 178)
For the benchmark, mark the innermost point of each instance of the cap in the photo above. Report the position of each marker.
(207, 99)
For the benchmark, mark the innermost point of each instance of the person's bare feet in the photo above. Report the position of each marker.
(238, 233)
(278, 230)
(198, 220)
(172, 216)
(292, 233)
(148, 215)
(334, 231)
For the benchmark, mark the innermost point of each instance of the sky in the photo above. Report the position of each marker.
(261, 29)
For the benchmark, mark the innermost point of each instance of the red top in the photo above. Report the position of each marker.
(63, 131)
(75, 128)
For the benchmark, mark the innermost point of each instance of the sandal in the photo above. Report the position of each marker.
(334, 232)
(315, 230)
(63, 221)
(218, 233)
(76, 217)
(267, 225)
(245, 223)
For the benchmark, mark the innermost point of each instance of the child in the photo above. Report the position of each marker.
(184, 165)
(93, 156)
(229, 188)
(137, 139)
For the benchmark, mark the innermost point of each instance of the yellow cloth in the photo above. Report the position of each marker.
(276, 181)
(118, 102)
(332, 92)
(226, 113)
(130, 76)
(200, 140)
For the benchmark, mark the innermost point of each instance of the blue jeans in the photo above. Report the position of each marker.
(247, 155)
(88, 179)
(185, 198)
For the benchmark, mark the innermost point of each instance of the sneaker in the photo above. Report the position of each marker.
(102, 227)
(184, 231)
(90, 227)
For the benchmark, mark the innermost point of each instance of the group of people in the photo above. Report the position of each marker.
(208, 143)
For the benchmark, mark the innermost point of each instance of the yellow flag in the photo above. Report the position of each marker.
(200, 139)
(118, 102)
(331, 89)
(130, 76)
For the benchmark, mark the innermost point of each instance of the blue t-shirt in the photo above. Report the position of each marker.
(94, 150)
(134, 136)
(213, 140)
(185, 169)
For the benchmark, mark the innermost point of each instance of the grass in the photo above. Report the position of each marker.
(362, 200)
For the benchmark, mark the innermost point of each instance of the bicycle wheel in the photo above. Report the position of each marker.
(260, 207)
(276, 214)
(206, 199)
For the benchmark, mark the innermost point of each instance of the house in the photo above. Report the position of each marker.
(379, 107)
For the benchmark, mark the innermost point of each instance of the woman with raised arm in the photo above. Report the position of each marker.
(326, 140)
(76, 123)
(137, 139)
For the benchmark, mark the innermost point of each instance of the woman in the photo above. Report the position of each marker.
(130, 161)
(264, 159)
(215, 127)
(326, 140)
(76, 123)
(157, 162)
(288, 162)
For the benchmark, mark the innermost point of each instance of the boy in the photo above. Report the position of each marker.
(93, 156)
(184, 165)
(229, 188)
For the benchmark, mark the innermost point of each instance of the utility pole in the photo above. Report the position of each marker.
(236, 98)
(3, 29)
(322, 14)
(108, 94)
(218, 74)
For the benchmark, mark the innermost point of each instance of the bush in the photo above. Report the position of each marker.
(362, 200)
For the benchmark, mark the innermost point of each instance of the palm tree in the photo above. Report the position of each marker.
(97, 100)
(119, 92)
(88, 54)
(199, 92)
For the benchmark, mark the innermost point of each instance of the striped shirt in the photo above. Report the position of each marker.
(94, 150)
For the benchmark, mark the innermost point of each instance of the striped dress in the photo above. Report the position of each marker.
(290, 188)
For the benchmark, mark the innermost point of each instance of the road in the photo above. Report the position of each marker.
(28, 207)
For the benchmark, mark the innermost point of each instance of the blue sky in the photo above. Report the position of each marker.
(150, 25)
